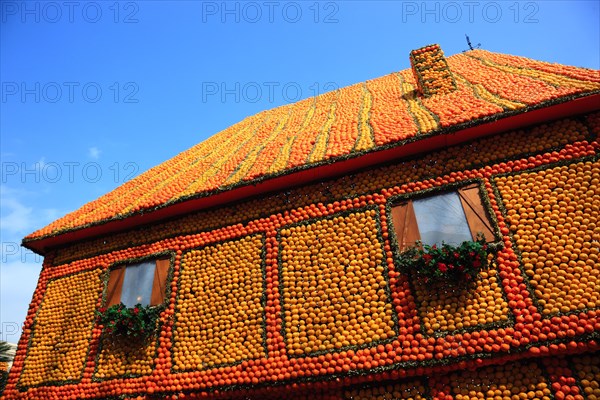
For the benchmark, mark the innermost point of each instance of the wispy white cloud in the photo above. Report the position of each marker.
(94, 153)
(16, 217)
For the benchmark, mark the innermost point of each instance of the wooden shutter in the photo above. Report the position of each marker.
(405, 225)
(160, 281)
(475, 213)
(115, 286)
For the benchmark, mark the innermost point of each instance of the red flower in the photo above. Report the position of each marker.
(136, 310)
(442, 267)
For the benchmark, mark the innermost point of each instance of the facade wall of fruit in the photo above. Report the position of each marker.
(296, 294)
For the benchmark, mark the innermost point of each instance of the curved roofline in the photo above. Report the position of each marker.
(542, 112)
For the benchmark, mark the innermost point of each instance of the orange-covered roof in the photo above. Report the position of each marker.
(368, 117)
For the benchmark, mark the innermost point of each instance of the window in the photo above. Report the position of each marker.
(451, 217)
(143, 282)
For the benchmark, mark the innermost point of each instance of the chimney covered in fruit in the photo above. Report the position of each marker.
(431, 71)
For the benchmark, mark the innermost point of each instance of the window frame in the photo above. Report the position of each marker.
(402, 221)
(161, 289)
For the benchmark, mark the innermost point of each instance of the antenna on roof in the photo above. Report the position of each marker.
(470, 45)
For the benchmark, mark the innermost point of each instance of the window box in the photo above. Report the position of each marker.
(446, 235)
(137, 322)
(455, 264)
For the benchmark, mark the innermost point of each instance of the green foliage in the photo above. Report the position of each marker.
(454, 264)
(4, 357)
(137, 322)
(3, 381)
(4, 349)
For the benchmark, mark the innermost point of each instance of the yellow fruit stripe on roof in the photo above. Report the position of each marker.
(296, 131)
(318, 151)
(522, 62)
(344, 132)
(389, 116)
(426, 121)
(187, 171)
(548, 77)
(458, 106)
(271, 149)
(365, 138)
(488, 96)
(213, 164)
(305, 143)
(514, 84)
(356, 119)
(256, 151)
(242, 155)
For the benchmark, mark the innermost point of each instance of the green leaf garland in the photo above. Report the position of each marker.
(137, 322)
(454, 264)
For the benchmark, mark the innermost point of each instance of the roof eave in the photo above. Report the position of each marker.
(452, 136)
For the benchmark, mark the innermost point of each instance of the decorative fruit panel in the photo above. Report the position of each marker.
(334, 286)
(118, 358)
(553, 214)
(220, 315)
(444, 309)
(299, 292)
(60, 337)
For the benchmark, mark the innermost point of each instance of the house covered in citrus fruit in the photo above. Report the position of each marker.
(430, 234)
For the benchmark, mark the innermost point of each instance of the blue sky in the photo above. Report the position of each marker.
(94, 93)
